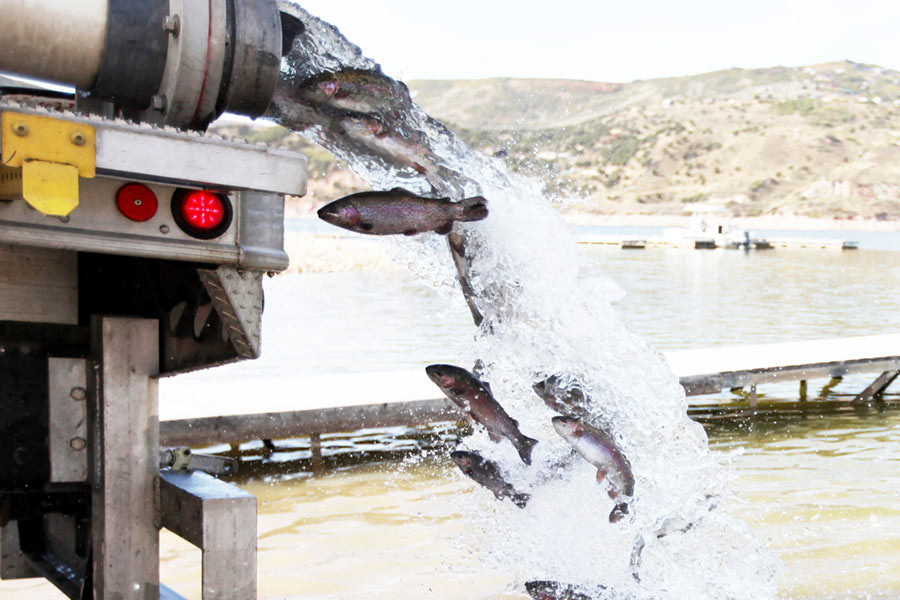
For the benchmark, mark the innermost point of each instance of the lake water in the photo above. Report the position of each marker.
(821, 485)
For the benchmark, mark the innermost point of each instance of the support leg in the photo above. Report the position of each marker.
(802, 390)
(124, 460)
(876, 388)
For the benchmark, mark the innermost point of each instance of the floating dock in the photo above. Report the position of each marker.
(192, 415)
(712, 243)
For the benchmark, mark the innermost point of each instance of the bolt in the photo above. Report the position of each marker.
(20, 129)
(78, 443)
(78, 393)
(158, 102)
(138, 202)
(172, 24)
(164, 229)
(21, 455)
(78, 138)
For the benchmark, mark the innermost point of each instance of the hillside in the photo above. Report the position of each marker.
(820, 141)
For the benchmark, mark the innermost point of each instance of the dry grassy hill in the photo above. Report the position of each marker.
(820, 141)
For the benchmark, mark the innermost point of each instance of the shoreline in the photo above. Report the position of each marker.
(777, 222)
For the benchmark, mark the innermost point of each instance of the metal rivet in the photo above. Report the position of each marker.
(164, 229)
(78, 393)
(78, 443)
(158, 102)
(20, 129)
(172, 24)
(78, 138)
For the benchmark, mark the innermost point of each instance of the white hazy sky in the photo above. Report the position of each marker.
(605, 40)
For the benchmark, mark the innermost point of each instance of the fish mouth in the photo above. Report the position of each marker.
(440, 374)
(461, 458)
(565, 425)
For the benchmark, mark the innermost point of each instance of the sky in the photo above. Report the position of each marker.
(601, 40)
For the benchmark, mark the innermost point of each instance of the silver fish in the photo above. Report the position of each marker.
(598, 448)
(477, 401)
(399, 211)
(487, 473)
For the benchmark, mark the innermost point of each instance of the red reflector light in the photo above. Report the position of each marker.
(201, 213)
(136, 202)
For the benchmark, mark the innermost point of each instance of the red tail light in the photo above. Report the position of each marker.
(201, 213)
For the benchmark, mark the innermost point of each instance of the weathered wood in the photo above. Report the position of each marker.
(124, 457)
(877, 387)
(231, 428)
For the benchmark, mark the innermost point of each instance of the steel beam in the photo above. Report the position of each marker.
(220, 519)
(124, 457)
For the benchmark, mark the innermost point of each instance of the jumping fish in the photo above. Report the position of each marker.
(373, 134)
(553, 590)
(477, 401)
(568, 400)
(356, 90)
(598, 448)
(487, 473)
(400, 211)
(457, 244)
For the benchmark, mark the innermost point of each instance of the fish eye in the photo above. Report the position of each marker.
(456, 390)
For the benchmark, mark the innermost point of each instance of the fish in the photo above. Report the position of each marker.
(568, 400)
(487, 473)
(373, 134)
(456, 243)
(553, 590)
(363, 91)
(598, 448)
(399, 211)
(479, 404)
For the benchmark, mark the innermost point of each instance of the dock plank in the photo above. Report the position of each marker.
(236, 411)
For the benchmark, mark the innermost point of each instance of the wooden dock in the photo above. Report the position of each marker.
(200, 415)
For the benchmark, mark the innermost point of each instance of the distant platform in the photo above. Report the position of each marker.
(203, 411)
(711, 243)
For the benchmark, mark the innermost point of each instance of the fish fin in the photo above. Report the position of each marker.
(601, 475)
(445, 228)
(494, 437)
(473, 209)
(419, 169)
(520, 500)
(525, 448)
(618, 512)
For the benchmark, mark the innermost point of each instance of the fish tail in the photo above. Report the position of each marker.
(524, 447)
(472, 209)
(521, 499)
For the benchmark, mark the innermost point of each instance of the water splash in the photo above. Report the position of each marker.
(539, 319)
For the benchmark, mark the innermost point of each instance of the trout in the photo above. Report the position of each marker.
(356, 90)
(370, 132)
(479, 404)
(400, 211)
(487, 473)
(566, 400)
(598, 448)
(553, 590)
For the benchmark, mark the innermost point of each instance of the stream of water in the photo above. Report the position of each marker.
(541, 319)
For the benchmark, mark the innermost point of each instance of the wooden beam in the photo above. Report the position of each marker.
(876, 388)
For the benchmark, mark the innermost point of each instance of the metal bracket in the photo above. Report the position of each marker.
(52, 153)
(182, 459)
(220, 519)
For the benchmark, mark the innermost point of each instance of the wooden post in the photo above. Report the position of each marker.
(124, 457)
(802, 390)
(753, 399)
(315, 446)
(876, 388)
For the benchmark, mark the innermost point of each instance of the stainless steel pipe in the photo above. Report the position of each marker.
(55, 40)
